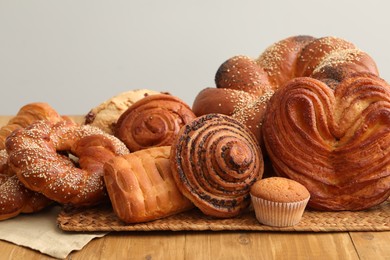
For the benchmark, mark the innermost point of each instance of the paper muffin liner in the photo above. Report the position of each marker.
(278, 214)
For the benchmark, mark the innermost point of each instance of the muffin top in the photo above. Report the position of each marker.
(279, 189)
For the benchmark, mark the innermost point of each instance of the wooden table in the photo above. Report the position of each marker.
(222, 245)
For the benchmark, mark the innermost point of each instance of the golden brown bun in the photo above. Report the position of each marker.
(215, 160)
(334, 142)
(27, 115)
(153, 121)
(243, 106)
(107, 113)
(245, 85)
(141, 187)
(278, 189)
(280, 59)
(34, 156)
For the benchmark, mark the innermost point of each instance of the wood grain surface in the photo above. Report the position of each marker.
(221, 245)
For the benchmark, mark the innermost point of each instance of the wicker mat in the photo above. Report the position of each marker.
(103, 219)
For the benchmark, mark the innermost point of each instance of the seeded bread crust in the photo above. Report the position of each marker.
(245, 85)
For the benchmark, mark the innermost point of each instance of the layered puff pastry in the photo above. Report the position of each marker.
(141, 187)
(334, 142)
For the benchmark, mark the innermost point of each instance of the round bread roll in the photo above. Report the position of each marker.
(107, 113)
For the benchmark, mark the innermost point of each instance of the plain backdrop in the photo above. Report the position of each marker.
(75, 54)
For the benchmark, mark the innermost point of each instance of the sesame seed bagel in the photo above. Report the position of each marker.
(245, 85)
(39, 156)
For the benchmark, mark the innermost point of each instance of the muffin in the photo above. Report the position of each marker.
(279, 201)
(107, 113)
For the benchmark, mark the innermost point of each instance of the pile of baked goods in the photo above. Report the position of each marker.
(312, 109)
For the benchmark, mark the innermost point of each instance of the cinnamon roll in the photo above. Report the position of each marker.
(153, 121)
(215, 160)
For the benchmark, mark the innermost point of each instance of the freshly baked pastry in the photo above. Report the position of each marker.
(153, 121)
(245, 85)
(14, 197)
(215, 159)
(141, 186)
(107, 113)
(36, 157)
(334, 142)
(26, 115)
(279, 201)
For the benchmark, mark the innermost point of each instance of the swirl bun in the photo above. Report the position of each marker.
(215, 161)
(107, 113)
(153, 121)
(334, 142)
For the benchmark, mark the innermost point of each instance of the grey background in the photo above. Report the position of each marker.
(76, 54)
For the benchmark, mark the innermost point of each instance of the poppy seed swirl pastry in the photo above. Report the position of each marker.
(153, 121)
(215, 160)
(244, 85)
(334, 142)
(39, 157)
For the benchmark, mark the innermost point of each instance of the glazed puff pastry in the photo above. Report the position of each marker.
(141, 186)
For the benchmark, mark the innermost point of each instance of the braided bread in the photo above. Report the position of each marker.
(245, 85)
(34, 156)
(334, 142)
(15, 198)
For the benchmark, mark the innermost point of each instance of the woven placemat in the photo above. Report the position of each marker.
(102, 218)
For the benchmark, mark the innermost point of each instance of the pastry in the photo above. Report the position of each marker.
(26, 115)
(244, 85)
(107, 113)
(334, 142)
(38, 156)
(215, 159)
(14, 197)
(153, 121)
(141, 186)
